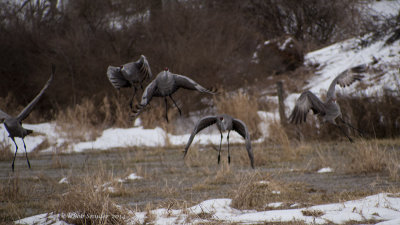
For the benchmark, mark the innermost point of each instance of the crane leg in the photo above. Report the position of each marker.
(229, 154)
(180, 112)
(341, 129)
(219, 150)
(166, 109)
(26, 154)
(360, 132)
(15, 155)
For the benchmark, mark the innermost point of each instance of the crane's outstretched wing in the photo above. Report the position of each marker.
(137, 71)
(187, 83)
(241, 128)
(116, 78)
(30, 106)
(148, 94)
(304, 103)
(346, 78)
(3, 116)
(144, 67)
(201, 124)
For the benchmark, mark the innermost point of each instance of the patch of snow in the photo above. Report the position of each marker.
(133, 176)
(274, 204)
(263, 182)
(294, 205)
(45, 219)
(284, 45)
(325, 170)
(63, 180)
(138, 122)
(384, 8)
(383, 207)
(118, 137)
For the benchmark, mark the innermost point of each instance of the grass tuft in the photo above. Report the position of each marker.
(88, 201)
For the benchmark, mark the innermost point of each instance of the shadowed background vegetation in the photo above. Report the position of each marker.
(212, 42)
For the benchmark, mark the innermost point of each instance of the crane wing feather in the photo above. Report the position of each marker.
(346, 78)
(187, 83)
(304, 103)
(116, 78)
(241, 129)
(201, 124)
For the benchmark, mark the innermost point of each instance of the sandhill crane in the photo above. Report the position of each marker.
(224, 123)
(130, 74)
(164, 85)
(329, 110)
(13, 125)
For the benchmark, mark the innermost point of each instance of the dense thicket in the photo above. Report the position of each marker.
(211, 41)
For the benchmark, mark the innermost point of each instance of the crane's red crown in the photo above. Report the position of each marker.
(166, 68)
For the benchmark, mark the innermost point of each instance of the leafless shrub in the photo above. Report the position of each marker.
(313, 21)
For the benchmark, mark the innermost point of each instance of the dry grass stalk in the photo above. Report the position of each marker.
(243, 106)
(313, 213)
(253, 192)
(5, 151)
(88, 201)
(78, 123)
(368, 157)
(154, 116)
(115, 111)
(278, 136)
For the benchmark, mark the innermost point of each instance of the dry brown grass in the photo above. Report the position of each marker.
(370, 157)
(11, 193)
(115, 111)
(78, 123)
(5, 152)
(243, 106)
(88, 201)
(154, 116)
(255, 191)
(290, 149)
(85, 121)
(313, 213)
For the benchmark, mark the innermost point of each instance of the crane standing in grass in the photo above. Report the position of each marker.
(328, 110)
(13, 125)
(224, 123)
(130, 75)
(164, 85)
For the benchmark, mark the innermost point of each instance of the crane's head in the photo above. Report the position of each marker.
(166, 69)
